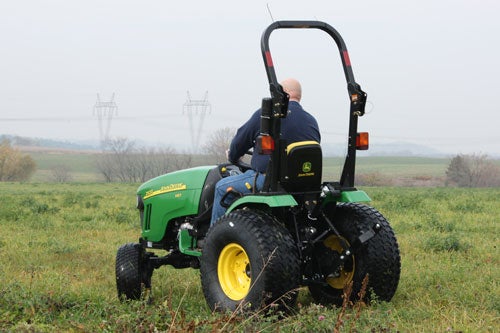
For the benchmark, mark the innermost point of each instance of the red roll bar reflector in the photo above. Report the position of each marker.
(269, 59)
(347, 61)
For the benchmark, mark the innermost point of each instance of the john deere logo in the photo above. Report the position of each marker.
(306, 170)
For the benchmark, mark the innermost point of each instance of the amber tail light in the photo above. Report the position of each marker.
(362, 141)
(265, 144)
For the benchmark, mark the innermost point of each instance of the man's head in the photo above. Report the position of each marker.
(292, 87)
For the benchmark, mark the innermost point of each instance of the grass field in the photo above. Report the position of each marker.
(58, 244)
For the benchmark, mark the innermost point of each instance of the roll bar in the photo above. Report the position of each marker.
(280, 98)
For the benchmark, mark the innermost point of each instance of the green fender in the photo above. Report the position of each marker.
(287, 200)
(348, 196)
(354, 196)
(280, 200)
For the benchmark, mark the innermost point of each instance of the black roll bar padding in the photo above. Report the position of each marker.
(265, 116)
(266, 124)
(280, 101)
(356, 95)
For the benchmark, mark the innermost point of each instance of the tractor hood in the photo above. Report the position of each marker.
(177, 181)
(168, 197)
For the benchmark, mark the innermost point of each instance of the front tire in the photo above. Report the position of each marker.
(129, 271)
(249, 262)
(378, 258)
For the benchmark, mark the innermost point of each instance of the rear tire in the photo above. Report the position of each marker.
(249, 262)
(378, 258)
(129, 271)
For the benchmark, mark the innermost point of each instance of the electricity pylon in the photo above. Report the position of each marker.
(196, 108)
(105, 112)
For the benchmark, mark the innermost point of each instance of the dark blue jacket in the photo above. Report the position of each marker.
(297, 126)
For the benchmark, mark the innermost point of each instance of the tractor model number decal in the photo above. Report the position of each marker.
(165, 189)
(306, 170)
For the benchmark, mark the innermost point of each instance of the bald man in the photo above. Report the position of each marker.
(297, 126)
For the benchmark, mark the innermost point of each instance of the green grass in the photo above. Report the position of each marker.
(58, 244)
(449, 240)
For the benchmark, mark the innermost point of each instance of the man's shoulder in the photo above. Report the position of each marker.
(299, 111)
(255, 116)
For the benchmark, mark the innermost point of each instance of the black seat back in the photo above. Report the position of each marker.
(302, 168)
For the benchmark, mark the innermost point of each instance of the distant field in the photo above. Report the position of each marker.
(391, 166)
(82, 166)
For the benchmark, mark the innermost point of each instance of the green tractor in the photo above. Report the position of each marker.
(298, 231)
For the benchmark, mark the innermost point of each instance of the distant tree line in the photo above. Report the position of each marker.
(123, 161)
(14, 165)
(475, 170)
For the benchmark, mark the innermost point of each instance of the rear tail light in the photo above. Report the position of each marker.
(265, 144)
(362, 141)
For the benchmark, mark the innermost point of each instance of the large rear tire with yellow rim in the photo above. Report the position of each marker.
(378, 258)
(249, 263)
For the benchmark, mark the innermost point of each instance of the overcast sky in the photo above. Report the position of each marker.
(430, 67)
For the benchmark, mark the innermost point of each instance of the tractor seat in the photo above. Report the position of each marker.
(303, 167)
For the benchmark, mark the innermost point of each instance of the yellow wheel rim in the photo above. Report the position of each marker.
(233, 269)
(333, 242)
